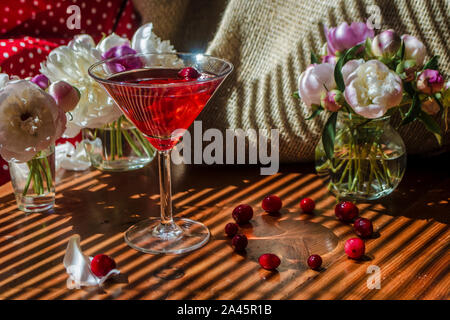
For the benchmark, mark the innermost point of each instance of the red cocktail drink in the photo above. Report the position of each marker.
(162, 102)
(162, 113)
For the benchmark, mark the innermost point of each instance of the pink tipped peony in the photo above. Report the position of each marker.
(329, 59)
(373, 89)
(344, 36)
(127, 63)
(386, 44)
(41, 80)
(349, 68)
(430, 81)
(316, 80)
(30, 121)
(414, 49)
(65, 95)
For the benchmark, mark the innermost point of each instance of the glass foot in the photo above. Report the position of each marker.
(150, 236)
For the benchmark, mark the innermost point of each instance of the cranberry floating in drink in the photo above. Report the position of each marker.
(162, 97)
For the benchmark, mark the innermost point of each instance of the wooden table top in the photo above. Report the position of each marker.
(412, 249)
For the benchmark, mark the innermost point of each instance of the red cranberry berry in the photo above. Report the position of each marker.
(231, 229)
(189, 73)
(307, 205)
(269, 261)
(271, 204)
(355, 248)
(239, 242)
(242, 213)
(101, 264)
(346, 211)
(363, 227)
(315, 261)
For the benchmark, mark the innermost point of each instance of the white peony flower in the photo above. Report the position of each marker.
(71, 63)
(373, 89)
(145, 41)
(30, 120)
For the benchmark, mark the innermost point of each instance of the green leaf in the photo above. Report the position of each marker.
(316, 111)
(338, 78)
(409, 89)
(413, 111)
(314, 58)
(432, 63)
(296, 95)
(328, 135)
(368, 47)
(401, 52)
(431, 125)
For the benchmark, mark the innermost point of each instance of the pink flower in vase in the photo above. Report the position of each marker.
(315, 81)
(430, 81)
(124, 64)
(346, 36)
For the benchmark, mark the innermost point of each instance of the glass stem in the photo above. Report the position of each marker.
(165, 187)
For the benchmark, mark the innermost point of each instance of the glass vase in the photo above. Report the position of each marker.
(118, 146)
(34, 181)
(369, 159)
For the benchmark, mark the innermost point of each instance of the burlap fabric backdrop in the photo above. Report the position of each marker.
(269, 43)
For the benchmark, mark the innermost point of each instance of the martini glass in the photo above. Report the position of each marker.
(162, 105)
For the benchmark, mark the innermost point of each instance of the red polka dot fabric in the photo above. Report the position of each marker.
(30, 29)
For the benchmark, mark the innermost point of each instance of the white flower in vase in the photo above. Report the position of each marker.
(71, 63)
(30, 120)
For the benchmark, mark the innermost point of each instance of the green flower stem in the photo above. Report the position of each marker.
(119, 137)
(43, 172)
(144, 142)
(38, 174)
(112, 141)
(48, 172)
(131, 143)
(39, 171)
(138, 144)
(30, 175)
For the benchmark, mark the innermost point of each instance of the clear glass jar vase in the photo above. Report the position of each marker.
(118, 146)
(369, 158)
(34, 181)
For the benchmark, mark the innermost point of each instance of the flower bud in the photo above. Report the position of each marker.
(430, 81)
(414, 49)
(386, 44)
(41, 80)
(331, 100)
(430, 106)
(65, 95)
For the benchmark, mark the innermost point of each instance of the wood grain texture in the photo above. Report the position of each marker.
(412, 249)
